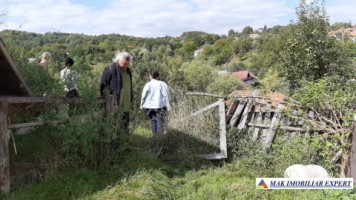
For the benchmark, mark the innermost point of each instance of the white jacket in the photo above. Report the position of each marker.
(155, 95)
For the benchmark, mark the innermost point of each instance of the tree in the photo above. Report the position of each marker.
(309, 53)
(225, 84)
(188, 49)
(197, 75)
(231, 33)
(247, 30)
(338, 25)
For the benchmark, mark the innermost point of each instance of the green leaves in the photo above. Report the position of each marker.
(309, 53)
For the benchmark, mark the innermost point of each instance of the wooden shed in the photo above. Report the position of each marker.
(12, 82)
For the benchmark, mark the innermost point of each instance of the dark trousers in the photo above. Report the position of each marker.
(125, 121)
(157, 119)
(72, 93)
(72, 107)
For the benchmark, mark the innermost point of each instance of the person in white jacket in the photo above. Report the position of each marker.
(155, 99)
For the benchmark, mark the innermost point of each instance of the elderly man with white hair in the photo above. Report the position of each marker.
(116, 79)
(45, 57)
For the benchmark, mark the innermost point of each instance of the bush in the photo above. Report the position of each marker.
(224, 85)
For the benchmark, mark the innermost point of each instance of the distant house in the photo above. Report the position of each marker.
(223, 72)
(198, 52)
(246, 77)
(260, 30)
(341, 32)
(254, 35)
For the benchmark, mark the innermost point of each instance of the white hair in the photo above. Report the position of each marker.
(305, 171)
(46, 55)
(122, 55)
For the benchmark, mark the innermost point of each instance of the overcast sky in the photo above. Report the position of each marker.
(157, 18)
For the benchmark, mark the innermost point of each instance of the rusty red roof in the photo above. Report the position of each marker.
(243, 75)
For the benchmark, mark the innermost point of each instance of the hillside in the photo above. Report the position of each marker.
(87, 156)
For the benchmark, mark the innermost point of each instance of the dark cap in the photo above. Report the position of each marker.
(69, 61)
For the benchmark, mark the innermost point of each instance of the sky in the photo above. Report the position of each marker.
(157, 18)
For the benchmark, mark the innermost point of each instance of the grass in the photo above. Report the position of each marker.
(140, 175)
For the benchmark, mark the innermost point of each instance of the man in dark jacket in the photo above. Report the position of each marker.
(116, 79)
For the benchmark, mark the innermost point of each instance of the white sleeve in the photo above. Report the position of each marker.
(144, 94)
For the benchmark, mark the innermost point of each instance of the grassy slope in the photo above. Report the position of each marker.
(141, 175)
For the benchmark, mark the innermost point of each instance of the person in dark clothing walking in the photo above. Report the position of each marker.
(116, 79)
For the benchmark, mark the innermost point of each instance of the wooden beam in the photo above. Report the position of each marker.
(22, 125)
(244, 117)
(231, 110)
(211, 106)
(352, 166)
(16, 100)
(235, 118)
(274, 124)
(203, 94)
(4, 150)
(266, 119)
(222, 129)
(266, 126)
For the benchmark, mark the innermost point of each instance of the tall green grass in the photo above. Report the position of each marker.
(138, 173)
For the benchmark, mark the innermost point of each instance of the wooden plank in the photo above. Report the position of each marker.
(286, 128)
(272, 130)
(4, 150)
(18, 100)
(266, 120)
(232, 109)
(249, 104)
(352, 166)
(222, 129)
(252, 118)
(258, 120)
(203, 94)
(242, 123)
(22, 125)
(211, 106)
(222, 132)
(235, 118)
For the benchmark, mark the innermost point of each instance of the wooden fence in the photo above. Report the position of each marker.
(261, 117)
(5, 126)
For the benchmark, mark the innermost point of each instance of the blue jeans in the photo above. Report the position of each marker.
(157, 119)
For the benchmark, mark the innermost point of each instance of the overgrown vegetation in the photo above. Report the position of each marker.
(86, 157)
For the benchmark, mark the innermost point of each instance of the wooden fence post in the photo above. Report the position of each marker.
(274, 124)
(258, 121)
(235, 118)
(266, 120)
(352, 166)
(222, 129)
(4, 150)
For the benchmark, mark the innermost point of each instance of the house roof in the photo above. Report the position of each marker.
(350, 31)
(243, 75)
(11, 81)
